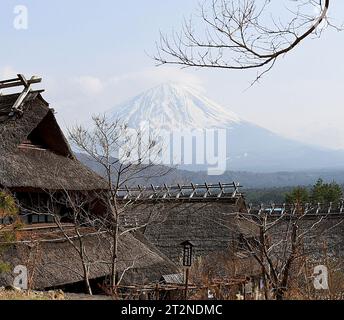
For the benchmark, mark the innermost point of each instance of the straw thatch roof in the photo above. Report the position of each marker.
(52, 261)
(34, 152)
(210, 225)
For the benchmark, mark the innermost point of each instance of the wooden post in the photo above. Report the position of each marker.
(244, 290)
(186, 283)
(157, 295)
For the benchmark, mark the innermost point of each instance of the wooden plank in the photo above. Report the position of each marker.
(9, 80)
(154, 192)
(23, 80)
(180, 193)
(18, 82)
(183, 192)
(21, 99)
(10, 85)
(194, 191)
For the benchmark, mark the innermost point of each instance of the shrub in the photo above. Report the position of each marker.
(8, 206)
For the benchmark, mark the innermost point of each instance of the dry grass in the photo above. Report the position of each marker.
(31, 295)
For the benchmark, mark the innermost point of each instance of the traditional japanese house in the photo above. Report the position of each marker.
(35, 157)
(35, 161)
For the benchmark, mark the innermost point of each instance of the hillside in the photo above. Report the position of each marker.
(248, 180)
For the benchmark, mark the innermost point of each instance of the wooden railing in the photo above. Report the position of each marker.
(181, 192)
(293, 209)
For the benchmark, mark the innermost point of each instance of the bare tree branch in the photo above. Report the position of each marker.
(243, 34)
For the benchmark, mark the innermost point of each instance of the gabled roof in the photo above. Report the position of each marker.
(57, 262)
(15, 128)
(53, 166)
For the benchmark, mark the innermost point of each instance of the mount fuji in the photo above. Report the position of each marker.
(174, 106)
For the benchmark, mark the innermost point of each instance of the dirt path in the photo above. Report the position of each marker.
(77, 296)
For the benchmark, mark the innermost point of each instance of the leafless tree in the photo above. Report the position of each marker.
(123, 156)
(80, 222)
(280, 242)
(83, 225)
(76, 223)
(243, 34)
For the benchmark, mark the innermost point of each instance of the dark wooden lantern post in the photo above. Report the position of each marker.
(187, 262)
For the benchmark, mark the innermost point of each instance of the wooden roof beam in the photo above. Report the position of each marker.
(19, 81)
(17, 105)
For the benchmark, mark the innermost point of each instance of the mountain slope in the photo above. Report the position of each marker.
(249, 147)
(246, 179)
(172, 106)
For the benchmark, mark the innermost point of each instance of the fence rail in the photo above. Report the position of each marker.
(181, 192)
(294, 209)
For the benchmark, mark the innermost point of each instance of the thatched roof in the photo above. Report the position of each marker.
(53, 262)
(210, 226)
(34, 152)
(46, 170)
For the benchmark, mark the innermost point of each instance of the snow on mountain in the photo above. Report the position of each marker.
(173, 106)
(248, 146)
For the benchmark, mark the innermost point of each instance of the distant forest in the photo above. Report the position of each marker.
(257, 187)
(276, 194)
(267, 195)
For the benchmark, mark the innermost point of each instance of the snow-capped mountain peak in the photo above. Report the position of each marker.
(173, 106)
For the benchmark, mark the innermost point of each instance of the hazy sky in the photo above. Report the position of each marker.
(93, 55)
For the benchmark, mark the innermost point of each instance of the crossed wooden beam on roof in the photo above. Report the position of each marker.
(199, 191)
(19, 81)
(292, 209)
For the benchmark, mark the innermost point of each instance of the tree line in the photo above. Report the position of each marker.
(320, 192)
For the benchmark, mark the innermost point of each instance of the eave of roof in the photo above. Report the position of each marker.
(38, 169)
(42, 169)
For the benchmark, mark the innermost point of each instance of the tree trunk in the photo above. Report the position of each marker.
(85, 267)
(265, 284)
(114, 265)
(87, 280)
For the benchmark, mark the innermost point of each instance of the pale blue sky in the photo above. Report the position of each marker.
(92, 56)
